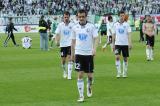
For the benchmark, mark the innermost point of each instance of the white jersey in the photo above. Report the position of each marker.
(65, 33)
(121, 32)
(84, 36)
(26, 42)
(109, 27)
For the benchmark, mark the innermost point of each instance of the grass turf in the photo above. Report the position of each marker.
(34, 78)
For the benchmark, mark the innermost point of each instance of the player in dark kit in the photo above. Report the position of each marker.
(9, 29)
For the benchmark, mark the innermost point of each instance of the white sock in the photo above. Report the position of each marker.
(125, 67)
(147, 52)
(80, 85)
(151, 53)
(118, 66)
(70, 65)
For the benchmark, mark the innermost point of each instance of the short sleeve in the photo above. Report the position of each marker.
(95, 32)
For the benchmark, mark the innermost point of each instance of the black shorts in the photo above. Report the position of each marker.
(65, 51)
(103, 33)
(109, 39)
(150, 40)
(84, 63)
(122, 48)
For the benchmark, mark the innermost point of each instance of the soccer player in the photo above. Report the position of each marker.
(63, 36)
(10, 27)
(149, 29)
(84, 43)
(109, 32)
(121, 43)
(26, 42)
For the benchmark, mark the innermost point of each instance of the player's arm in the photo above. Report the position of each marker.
(95, 43)
(73, 46)
(129, 37)
(113, 37)
(95, 40)
(144, 28)
(57, 35)
(14, 27)
(113, 40)
(57, 39)
(130, 40)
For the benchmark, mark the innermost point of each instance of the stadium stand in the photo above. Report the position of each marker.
(56, 7)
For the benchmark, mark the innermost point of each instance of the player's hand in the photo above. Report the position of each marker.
(94, 52)
(130, 47)
(57, 44)
(72, 58)
(113, 48)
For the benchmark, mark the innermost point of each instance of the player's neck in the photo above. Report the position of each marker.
(66, 22)
(121, 22)
(83, 24)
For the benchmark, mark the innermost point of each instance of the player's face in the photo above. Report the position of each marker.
(82, 18)
(149, 19)
(66, 18)
(122, 17)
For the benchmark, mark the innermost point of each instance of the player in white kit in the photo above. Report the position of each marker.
(84, 43)
(63, 37)
(26, 42)
(121, 43)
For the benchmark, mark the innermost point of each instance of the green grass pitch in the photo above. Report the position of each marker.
(34, 78)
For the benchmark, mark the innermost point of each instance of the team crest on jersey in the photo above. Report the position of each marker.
(82, 36)
(121, 31)
(66, 32)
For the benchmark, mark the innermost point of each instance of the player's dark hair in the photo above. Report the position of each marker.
(121, 12)
(82, 11)
(66, 13)
(110, 17)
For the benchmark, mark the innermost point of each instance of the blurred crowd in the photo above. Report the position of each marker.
(99, 7)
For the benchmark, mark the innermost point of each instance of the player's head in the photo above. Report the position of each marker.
(66, 16)
(110, 19)
(82, 16)
(42, 17)
(55, 18)
(10, 19)
(121, 16)
(149, 18)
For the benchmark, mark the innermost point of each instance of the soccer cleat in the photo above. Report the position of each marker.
(81, 99)
(152, 59)
(124, 75)
(89, 91)
(69, 78)
(118, 75)
(148, 59)
(64, 74)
